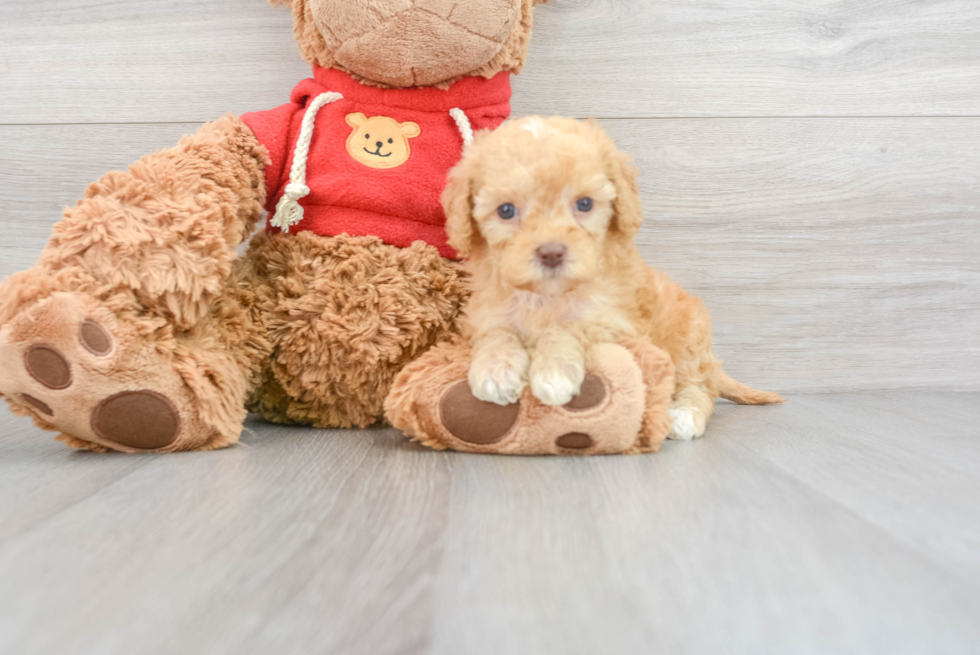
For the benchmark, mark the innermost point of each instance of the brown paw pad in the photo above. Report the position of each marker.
(592, 393)
(39, 405)
(137, 419)
(473, 420)
(48, 366)
(575, 441)
(95, 338)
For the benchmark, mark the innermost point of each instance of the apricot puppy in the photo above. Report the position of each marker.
(545, 211)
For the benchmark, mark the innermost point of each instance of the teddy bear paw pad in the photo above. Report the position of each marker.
(473, 420)
(592, 393)
(95, 338)
(144, 420)
(39, 405)
(575, 441)
(48, 366)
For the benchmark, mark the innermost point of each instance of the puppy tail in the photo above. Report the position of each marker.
(743, 394)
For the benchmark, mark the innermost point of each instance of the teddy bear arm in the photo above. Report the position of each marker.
(167, 228)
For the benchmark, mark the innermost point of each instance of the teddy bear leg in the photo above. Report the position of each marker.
(107, 378)
(128, 334)
(345, 315)
(431, 401)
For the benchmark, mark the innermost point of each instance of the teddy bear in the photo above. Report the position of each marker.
(141, 328)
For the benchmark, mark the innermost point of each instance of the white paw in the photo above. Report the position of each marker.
(556, 383)
(555, 390)
(686, 423)
(499, 379)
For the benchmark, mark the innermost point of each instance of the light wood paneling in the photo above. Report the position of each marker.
(44, 169)
(834, 254)
(831, 524)
(140, 61)
(659, 58)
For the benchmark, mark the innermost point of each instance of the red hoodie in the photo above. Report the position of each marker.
(378, 158)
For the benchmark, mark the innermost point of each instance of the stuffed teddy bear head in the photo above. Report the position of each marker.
(405, 43)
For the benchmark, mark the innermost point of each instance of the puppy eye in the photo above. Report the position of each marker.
(584, 205)
(367, 136)
(391, 140)
(506, 211)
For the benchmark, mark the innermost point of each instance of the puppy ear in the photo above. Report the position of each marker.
(457, 202)
(628, 211)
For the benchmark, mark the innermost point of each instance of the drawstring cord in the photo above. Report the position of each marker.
(463, 123)
(288, 211)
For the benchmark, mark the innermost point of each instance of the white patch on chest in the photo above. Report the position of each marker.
(531, 311)
(535, 126)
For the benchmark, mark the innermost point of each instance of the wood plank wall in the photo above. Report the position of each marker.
(810, 168)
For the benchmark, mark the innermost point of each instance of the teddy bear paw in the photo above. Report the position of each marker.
(531, 427)
(604, 417)
(76, 368)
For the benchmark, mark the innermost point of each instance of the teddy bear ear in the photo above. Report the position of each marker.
(409, 129)
(356, 119)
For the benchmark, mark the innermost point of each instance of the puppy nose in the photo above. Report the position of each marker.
(552, 255)
(379, 144)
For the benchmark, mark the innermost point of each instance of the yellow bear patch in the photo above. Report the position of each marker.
(379, 141)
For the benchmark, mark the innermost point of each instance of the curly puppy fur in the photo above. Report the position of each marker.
(553, 276)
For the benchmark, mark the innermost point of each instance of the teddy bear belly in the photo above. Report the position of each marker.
(344, 314)
(401, 232)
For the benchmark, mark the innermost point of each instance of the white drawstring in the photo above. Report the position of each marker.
(463, 123)
(289, 212)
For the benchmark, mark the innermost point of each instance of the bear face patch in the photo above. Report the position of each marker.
(379, 141)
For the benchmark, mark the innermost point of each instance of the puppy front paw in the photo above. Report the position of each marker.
(499, 378)
(555, 381)
(689, 423)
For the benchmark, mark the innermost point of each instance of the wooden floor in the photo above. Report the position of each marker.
(832, 524)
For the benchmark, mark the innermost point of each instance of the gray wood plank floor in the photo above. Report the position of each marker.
(832, 524)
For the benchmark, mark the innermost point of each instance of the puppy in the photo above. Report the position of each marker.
(545, 210)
